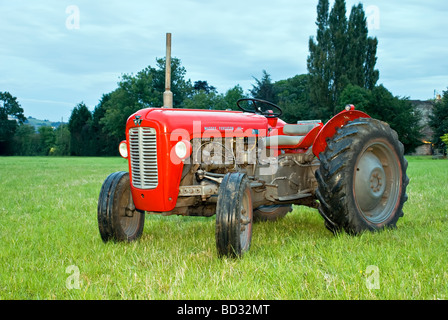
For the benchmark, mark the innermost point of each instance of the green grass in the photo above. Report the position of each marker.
(48, 224)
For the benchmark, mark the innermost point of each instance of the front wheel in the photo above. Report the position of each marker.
(362, 178)
(118, 219)
(234, 215)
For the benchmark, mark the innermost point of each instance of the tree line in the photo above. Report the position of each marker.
(341, 70)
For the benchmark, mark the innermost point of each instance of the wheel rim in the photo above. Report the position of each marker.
(377, 182)
(129, 217)
(246, 221)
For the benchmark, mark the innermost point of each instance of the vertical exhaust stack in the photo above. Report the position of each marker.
(168, 95)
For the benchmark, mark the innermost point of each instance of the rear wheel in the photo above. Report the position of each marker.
(234, 215)
(362, 178)
(118, 219)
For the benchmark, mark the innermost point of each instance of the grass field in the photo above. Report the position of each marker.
(50, 247)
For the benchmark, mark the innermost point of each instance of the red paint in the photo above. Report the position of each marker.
(329, 130)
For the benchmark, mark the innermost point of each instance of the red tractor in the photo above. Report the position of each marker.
(250, 165)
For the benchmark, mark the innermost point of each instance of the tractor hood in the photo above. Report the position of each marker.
(195, 121)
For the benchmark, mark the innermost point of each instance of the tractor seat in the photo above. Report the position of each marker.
(294, 135)
(283, 141)
(298, 129)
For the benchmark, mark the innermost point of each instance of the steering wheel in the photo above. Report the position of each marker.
(262, 107)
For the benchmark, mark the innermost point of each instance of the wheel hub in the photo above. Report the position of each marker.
(370, 181)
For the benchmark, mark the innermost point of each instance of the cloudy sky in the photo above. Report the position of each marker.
(55, 54)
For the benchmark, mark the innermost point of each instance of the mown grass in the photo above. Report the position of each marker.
(48, 226)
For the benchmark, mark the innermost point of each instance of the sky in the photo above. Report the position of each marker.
(56, 54)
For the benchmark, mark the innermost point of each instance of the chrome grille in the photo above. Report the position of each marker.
(143, 155)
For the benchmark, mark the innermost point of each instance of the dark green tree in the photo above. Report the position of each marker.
(231, 97)
(143, 90)
(62, 141)
(104, 144)
(214, 101)
(26, 141)
(371, 74)
(204, 100)
(292, 96)
(47, 140)
(439, 121)
(362, 49)
(379, 103)
(318, 64)
(357, 53)
(342, 54)
(263, 88)
(180, 87)
(79, 125)
(338, 26)
(11, 116)
(204, 86)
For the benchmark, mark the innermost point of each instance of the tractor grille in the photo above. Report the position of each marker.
(143, 155)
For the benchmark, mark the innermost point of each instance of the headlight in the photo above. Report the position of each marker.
(123, 149)
(183, 149)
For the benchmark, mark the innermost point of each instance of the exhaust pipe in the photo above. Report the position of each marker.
(168, 95)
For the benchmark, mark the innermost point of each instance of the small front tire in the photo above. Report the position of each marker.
(234, 216)
(118, 219)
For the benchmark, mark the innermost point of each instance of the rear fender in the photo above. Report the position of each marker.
(329, 129)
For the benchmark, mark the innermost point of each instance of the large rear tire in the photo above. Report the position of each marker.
(362, 178)
(118, 219)
(234, 216)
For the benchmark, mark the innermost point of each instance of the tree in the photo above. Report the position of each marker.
(62, 141)
(29, 142)
(180, 87)
(264, 88)
(342, 54)
(47, 139)
(379, 103)
(204, 86)
(79, 125)
(143, 90)
(11, 116)
(439, 121)
(357, 53)
(104, 144)
(339, 49)
(204, 100)
(318, 64)
(358, 96)
(292, 95)
(444, 139)
(214, 101)
(26, 141)
(362, 49)
(231, 97)
(203, 96)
